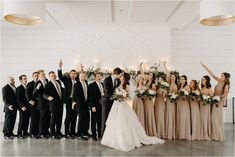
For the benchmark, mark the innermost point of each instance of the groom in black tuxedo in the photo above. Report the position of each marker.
(110, 83)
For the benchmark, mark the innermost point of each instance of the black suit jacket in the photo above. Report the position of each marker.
(108, 91)
(94, 94)
(78, 95)
(67, 83)
(50, 90)
(9, 97)
(108, 86)
(42, 103)
(22, 101)
(30, 91)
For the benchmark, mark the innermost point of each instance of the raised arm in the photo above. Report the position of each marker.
(167, 71)
(210, 72)
(142, 71)
(60, 75)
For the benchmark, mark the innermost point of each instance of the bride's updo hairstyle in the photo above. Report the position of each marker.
(127, 78)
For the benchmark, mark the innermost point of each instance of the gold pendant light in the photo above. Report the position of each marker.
(216, 12)
(24, 12)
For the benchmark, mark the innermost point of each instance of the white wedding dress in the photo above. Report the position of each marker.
(123, 130)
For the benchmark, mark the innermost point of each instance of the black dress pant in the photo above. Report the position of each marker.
(96, 121)
(9, 122)
(83, 120)
(23, 122)
(56, 119)
(44, 122)
(70, 119)
(34, 123)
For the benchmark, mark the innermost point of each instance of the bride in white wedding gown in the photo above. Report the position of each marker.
(123, 129)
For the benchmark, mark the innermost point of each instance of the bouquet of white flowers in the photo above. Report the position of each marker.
(164, 85)
(205, 99)
(151, 93)
(215, 100)
(194, 95)
(119, 94)
(184, 93)
(140, 93)
(172, 96)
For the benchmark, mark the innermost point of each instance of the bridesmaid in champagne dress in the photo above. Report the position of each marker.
(205, 108)
(170, 113)
(159, 110)
(138, 103)
(183, 111)
(221, 90)
(150, 124)
(195, 111)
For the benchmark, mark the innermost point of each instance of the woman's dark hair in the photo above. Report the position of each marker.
(176, 78)
(161, 75)
(208, 83)
(127, 77)
(196, 86)
(185, 77)
(153, 79)
(226, 81)
(117, 71)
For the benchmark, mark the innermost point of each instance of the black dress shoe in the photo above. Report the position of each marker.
(34, 136)
(68, 136)
(8, 137)
(94, 138)
(82, 138)
(26, 134)
(44, 137)
(20, 136)
(87, 134)
(12, 135)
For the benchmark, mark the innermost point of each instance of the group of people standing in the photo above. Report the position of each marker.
(187, 116)
(40, 104)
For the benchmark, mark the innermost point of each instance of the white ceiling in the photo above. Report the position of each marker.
(67, 14)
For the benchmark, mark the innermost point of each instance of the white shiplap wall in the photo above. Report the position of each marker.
(23, 52)
(214, 48)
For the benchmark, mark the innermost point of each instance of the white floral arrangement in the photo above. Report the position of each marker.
(172, 96)
(184, 93)
(151, 93)
(119, 94)
(205, 99)
(164, 85)
(194, 95)
(215, 100)
(140, 93)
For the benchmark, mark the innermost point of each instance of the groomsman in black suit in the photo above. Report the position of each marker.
(54, 94)
(44, 122)
(96, 91)
(71, 115)
(110, 83)
(80, 104)
(23, 106)
(10, 107)
(33, 101)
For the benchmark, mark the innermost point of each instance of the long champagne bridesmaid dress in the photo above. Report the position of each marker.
(170, 117)
(205, 111)
(183, 117)
(150, 124)
(159, 110)
(195, 119)
(138, 107)
(217, 120)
